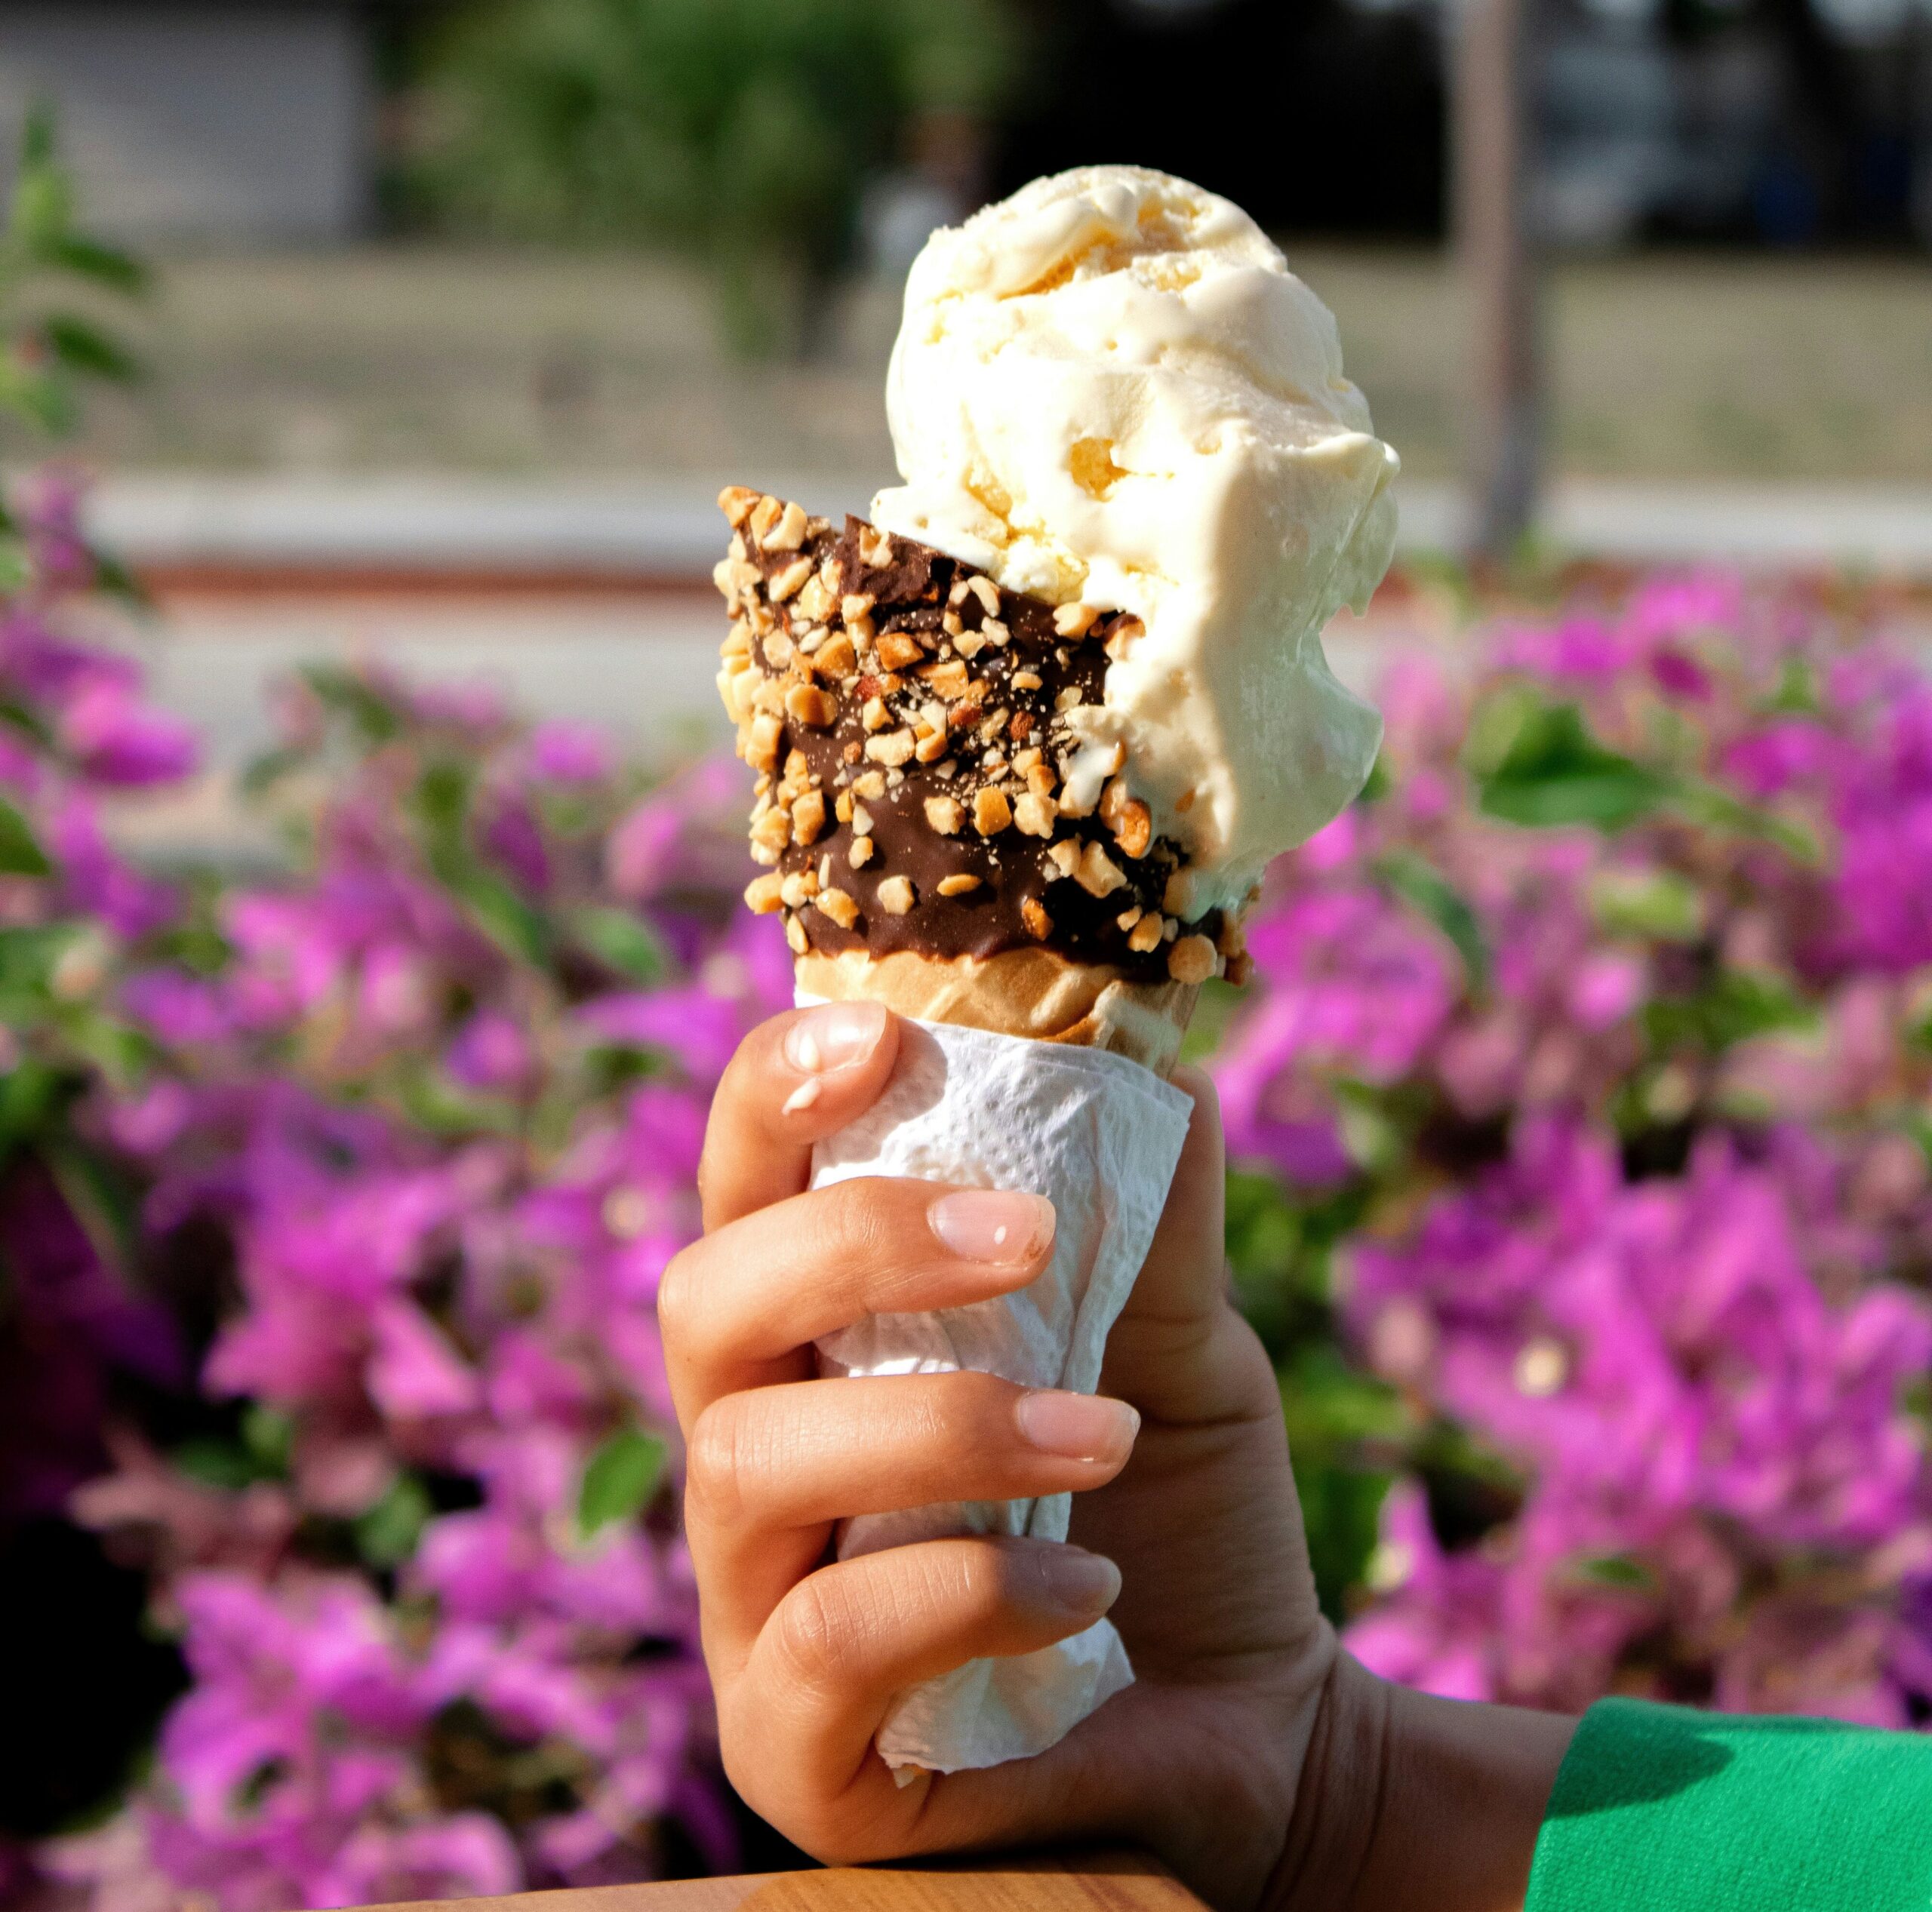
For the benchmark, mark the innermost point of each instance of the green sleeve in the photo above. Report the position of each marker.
(1660, 1809)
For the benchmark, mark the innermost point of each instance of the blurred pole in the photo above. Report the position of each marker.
(1493, 119)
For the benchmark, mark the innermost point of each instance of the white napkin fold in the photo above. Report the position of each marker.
(1101, 1136)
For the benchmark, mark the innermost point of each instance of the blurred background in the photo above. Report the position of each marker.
(369, 934)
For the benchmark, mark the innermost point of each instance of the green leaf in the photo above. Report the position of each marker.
(622, 943)
(347, 696)
(1554, 773)
(223, 1464)
(518, 930)
(38, 141)
(619, 1479)
(1659, 904)
(1423, 887)
(20, 852)
(387, 1534)
(83, 347)
(1710, 804)
(1734, 1006)
(105, 265)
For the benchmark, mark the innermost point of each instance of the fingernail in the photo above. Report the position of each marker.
(832, 1035)
(992, 1225)
(1079, 1426)
(1075, 1580)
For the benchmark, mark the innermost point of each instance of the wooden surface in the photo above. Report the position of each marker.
(1104, 1882)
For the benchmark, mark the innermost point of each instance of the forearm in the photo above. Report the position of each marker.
(1413, 1802)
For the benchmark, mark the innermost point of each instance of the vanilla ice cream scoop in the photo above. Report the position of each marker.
(1109, 388)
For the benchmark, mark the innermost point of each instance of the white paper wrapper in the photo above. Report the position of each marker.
(1100, 1136)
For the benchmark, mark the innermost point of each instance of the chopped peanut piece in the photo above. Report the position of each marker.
(814, 601)
(860, 853)
(1033, 913)
(799, 889)
(1146, 935)
(1192, 959)
(931, 747)
(1122, 637)
(842, 807)
(1064, 856)
(835, 904)
(1039, 780)
(944, 815)
(875, 547)
(835, 657)
(1127, 918)
(771, 830)
(808, 817)
(874, 715)
(870, 785)
(947, 680)
(1026, 680)
(992, 813)
(987, 592)
(789, 580)
(795, 935)
(1035, 815)
(895, 896)
(856, 604)
(995, 632)
(899, 652)
(1099, 874)
(961, 885)
(761, 893)
(806, 704)
(763, 515)
(735, 502)
(789, 532)
(1075, 620)
(761, 747)
(892, 748)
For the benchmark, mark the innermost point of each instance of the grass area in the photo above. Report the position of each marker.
(385, 357)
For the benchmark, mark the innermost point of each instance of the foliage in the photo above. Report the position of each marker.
(1600, 1032)
(739, 130)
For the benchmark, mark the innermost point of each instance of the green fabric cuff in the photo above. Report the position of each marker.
(1668, 1810)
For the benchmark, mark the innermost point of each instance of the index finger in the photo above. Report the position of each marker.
(795, 1078)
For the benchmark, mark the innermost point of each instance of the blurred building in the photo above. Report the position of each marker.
(236, 120)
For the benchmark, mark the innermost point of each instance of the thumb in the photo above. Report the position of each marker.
(1179, 1352)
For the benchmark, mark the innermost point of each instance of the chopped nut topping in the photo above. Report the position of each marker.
(944, 815)
(789, 532)
(1192, 959)
(874, 715)
(1075, 620)
(1026, 680)
(1035, 815)
(987, 591)
(994, 633)
(835, 657)
(761, 747)
(735, 502)
(1039, 779)
(1177, 899)
(1128, 918)
(898, 650)
(947, 680)
(1033, 913)
(763, 515)
(875, 547)
(860, 853)
(857, 816)
(958, 594)
(835, 904)
(1128, 818)
(1146, 936)
(992, 813)
(856, 604)
(1068, 699)
(1099, 874)
(1022, 724)
(777, 649)
(1064, 856)
(932, 746)
(969, 644)
(795, 935)
(810, 705)
(1122, 636)
(845, 810)
(790, 578)
(762, 895)
(892, 748)
(808, 817)
(814, 601)
(870, 785)
(799, 888)
(960, 885)
(895, 896)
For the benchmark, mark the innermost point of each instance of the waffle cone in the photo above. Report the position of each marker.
(1035, 993)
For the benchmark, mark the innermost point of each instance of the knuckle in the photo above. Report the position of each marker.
(674, 1297)
(814, 1635)
(714, 1465)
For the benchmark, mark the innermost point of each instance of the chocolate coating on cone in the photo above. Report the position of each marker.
(894, 699)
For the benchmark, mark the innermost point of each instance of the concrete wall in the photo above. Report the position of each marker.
(235, 123)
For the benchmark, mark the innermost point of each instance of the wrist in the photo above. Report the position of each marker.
(1408, 1800)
